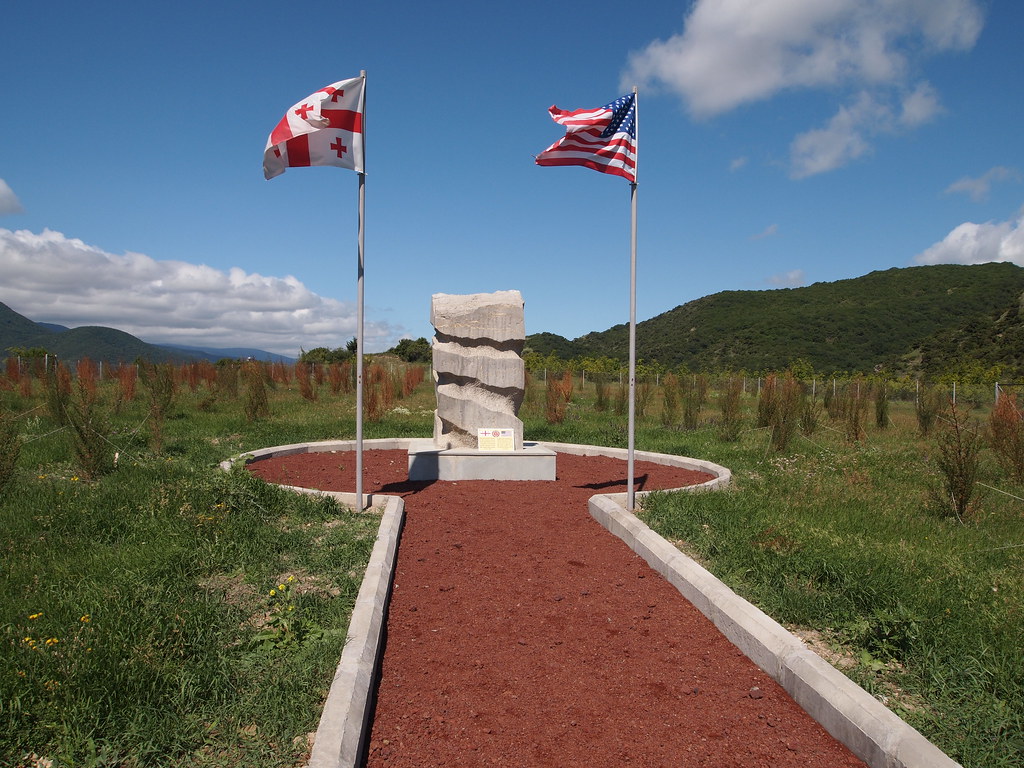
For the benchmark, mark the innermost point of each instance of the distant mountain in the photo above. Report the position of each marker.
(17, 330)
(214, 354)
(916, 317)
(106, 344)
(53, 327)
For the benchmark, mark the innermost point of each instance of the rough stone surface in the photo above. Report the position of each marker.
(479, 376)
(496, 317)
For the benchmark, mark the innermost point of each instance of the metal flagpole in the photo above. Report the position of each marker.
(630, 492)
(359, 318)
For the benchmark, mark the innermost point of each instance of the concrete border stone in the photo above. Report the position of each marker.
(848, 712)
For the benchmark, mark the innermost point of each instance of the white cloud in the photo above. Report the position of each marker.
(770, 230)
(9, 202)
(842, 140)
(972, 243)
(919, 106)
(737, 163)
(53, 278)
(735, 52)
(978, 188)
(792, 279)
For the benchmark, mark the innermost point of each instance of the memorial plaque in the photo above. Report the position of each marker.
(495, 439)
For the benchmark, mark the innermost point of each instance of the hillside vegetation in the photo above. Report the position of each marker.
(921, 319)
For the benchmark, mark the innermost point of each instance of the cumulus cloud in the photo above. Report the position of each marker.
(972, 243)
(848, 134)
(9, 202)
(736, 52)
(63, 280)
(792, 279)
(979, 188)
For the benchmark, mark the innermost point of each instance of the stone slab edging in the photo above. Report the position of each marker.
(848, 712)
(345, 719)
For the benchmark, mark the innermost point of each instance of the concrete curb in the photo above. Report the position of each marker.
(345, 721)
(844, 709)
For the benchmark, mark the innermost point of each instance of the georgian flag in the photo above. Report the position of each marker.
(325, 128)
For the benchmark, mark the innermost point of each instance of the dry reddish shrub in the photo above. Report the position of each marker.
(378, 392)
(380, 379)
(87, 374)
(413, 378)
(334, 378)
(1006, 435)
(558, 392)
(305, 381)
(279, 374)
(207, 372)
(127, 379)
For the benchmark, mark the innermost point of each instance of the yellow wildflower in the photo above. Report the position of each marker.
(35, 616)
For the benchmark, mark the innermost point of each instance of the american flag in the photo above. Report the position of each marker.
(325, 128)
(603, 139)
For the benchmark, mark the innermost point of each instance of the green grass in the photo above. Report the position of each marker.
(155, 579)
(849, 544)
(137, 626)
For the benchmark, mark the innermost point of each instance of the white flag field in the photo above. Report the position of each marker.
(325, 128)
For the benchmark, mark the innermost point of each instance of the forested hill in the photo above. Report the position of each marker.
(925, 316)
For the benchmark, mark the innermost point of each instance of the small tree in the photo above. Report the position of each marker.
(767, 401)
(89, 429)
(1006, 435)
(730, 404)
(254, 401)
(927, 406)
(159, 381)
(786, 412)
(306, 386)
(670, 400)
(600, 391)
(881, 404)
(855, 406)
(959, 446)
(694, 395)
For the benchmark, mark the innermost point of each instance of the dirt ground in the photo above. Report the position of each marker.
(522, 633)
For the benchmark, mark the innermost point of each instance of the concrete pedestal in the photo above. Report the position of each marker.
(428, 462)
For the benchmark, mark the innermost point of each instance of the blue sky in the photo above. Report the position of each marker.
(781, 143)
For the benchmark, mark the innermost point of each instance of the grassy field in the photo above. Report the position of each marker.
(168, 614)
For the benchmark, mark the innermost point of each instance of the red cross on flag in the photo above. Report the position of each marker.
(325, 128)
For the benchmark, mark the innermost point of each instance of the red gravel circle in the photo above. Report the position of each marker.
(521, 633)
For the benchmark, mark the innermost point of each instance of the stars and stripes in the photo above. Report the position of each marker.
(325, 128)
(603, 139)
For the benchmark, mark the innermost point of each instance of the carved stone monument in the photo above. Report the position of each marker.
(479, 376)
(480, 380)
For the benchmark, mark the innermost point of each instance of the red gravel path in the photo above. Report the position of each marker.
(522, 633)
